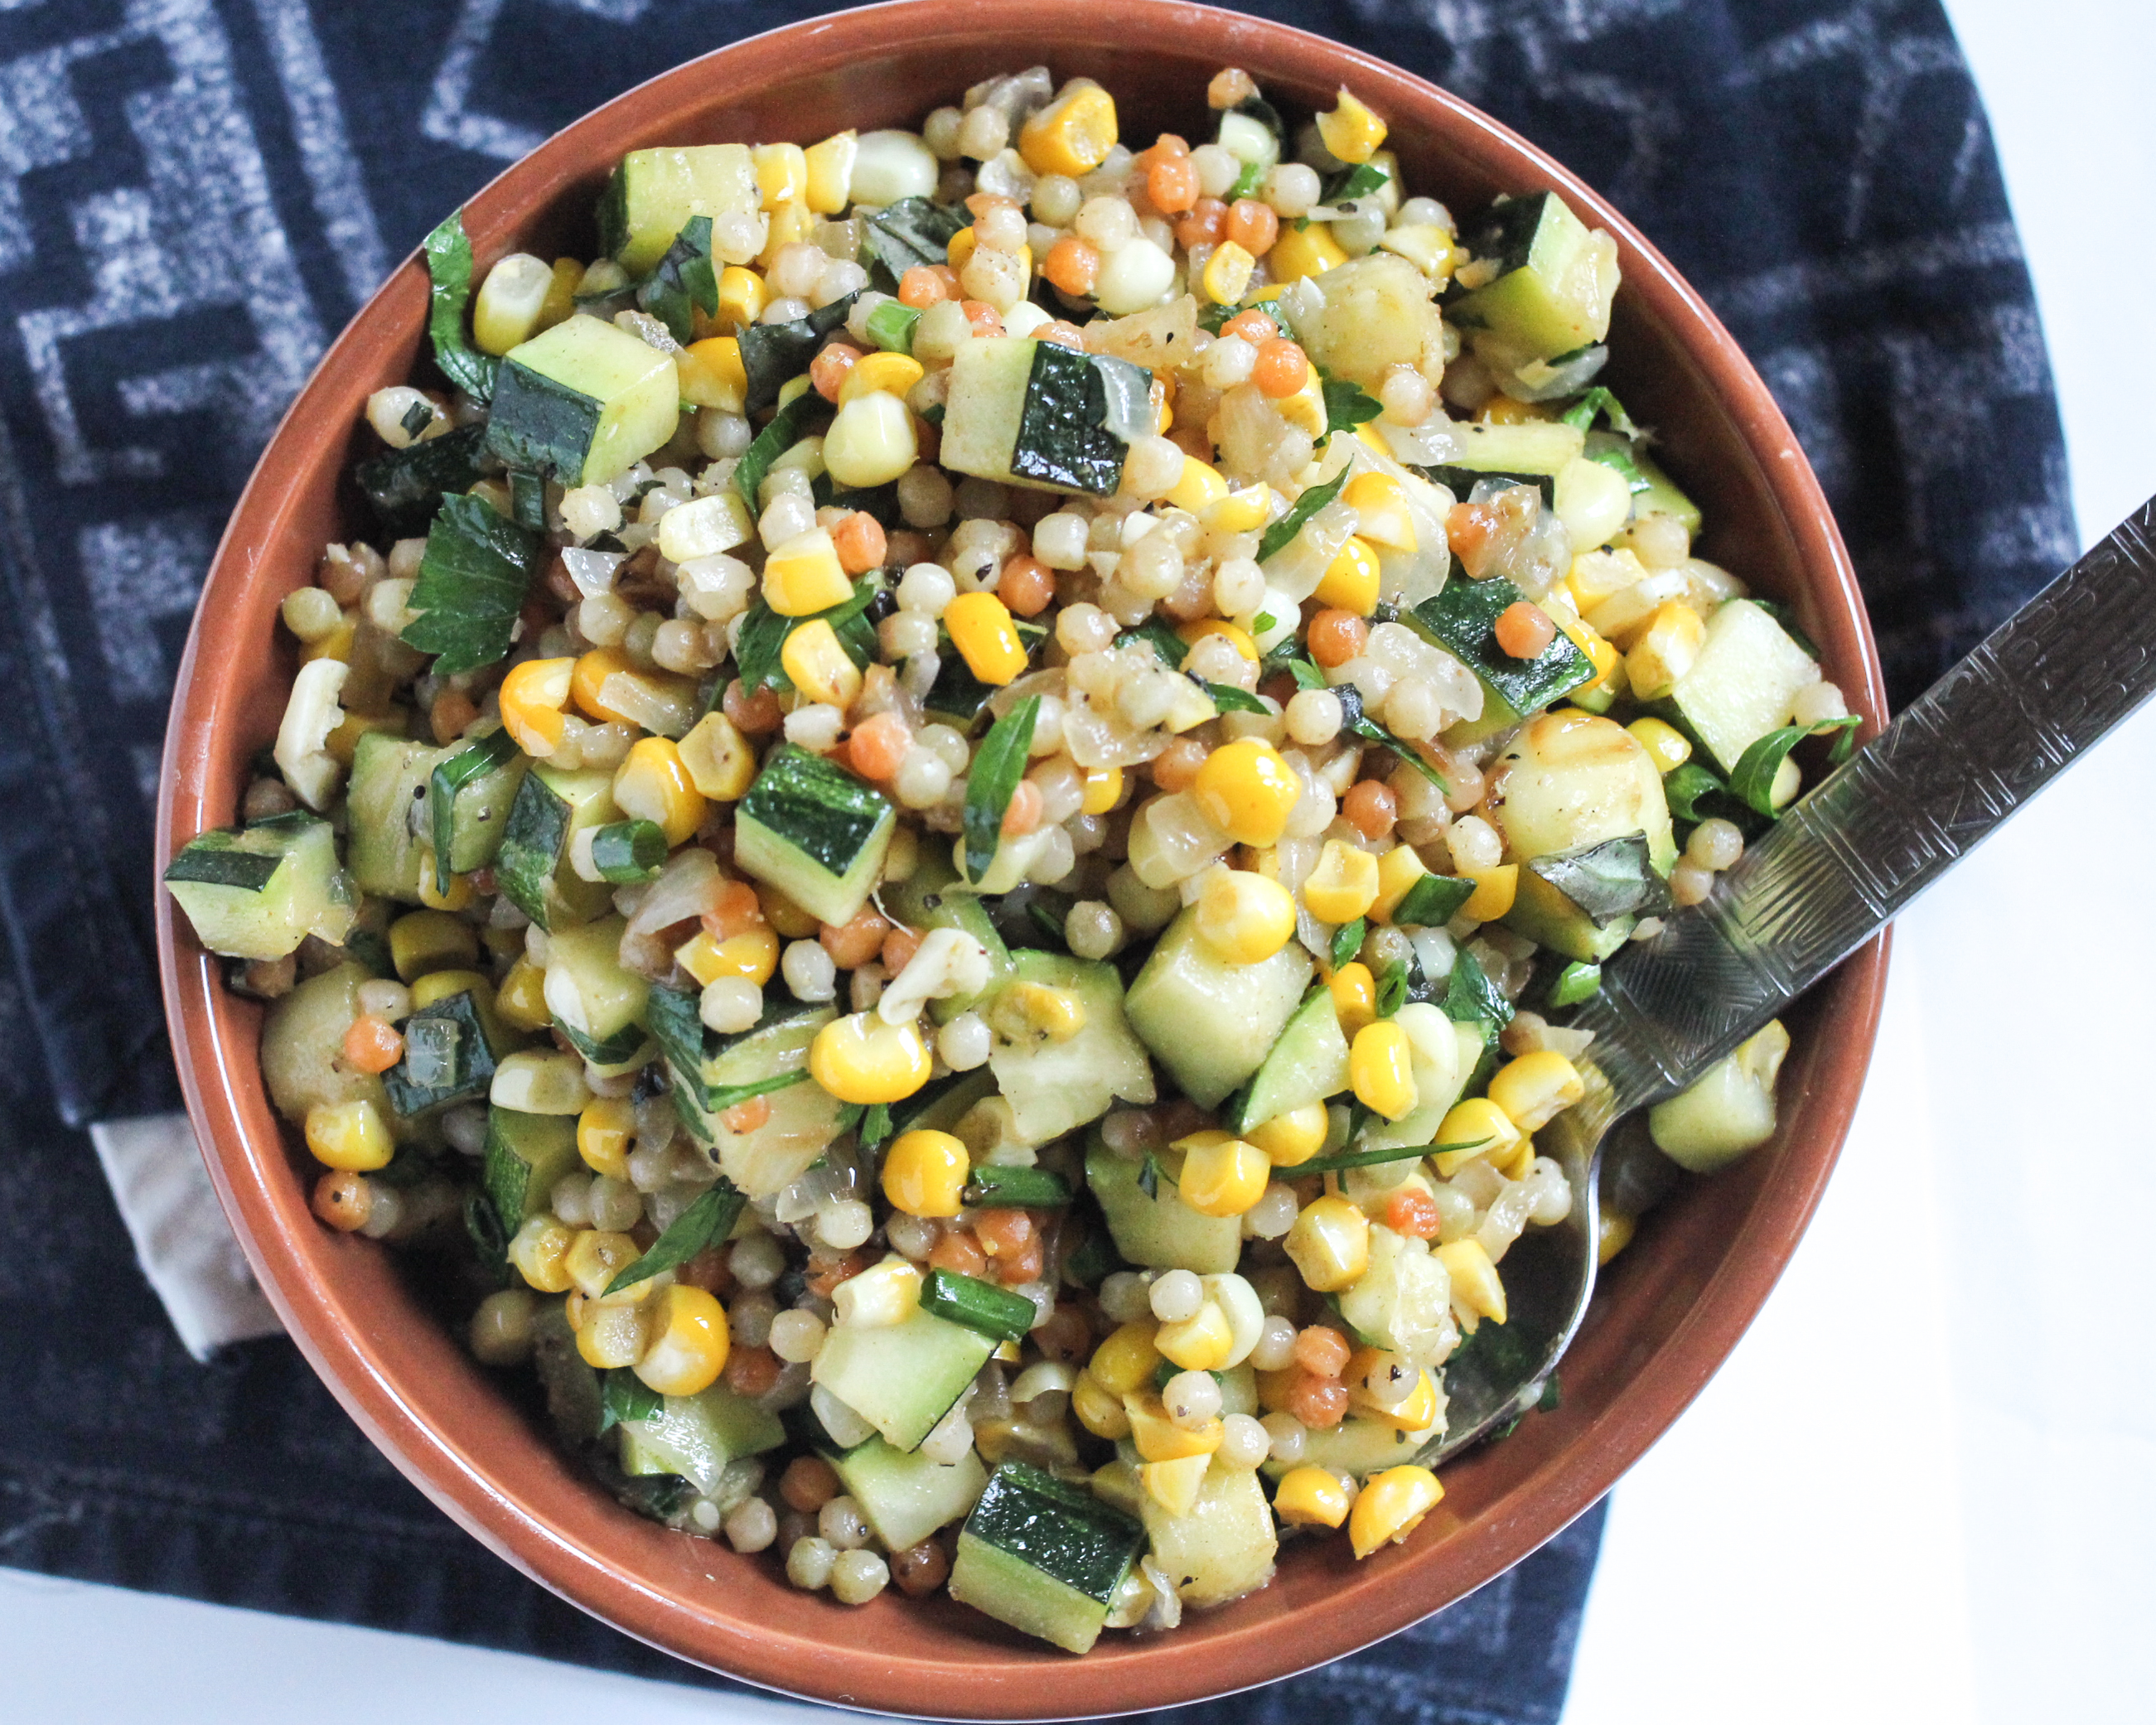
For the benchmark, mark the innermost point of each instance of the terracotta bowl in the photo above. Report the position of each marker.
(1670, 1311)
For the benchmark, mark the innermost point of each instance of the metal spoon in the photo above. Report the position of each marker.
(1841, 864)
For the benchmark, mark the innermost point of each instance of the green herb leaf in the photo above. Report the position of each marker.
(416, 417)
(764, 632)
(1291, 657)
(1167, 646)
(1688, 788)
(911, 231)
(1472, 998)
(1618, 458)
(1353, 718)
(771, 353)
(711, 1217)
(1149, 1176)
(449, 286)
(787, 427)
(1358, 182)
(1599, 401)
(997, 766)
(468, 766)
(1373, 1158)
(1347, 940)
(1230, 699)
(720, 1097)
(623, 1395)
(406, 486)
(1613, 878)
(876, 1125)
(1278, 536)
(1752, 783)
(1552, 1398)
(1213, 315)
(1348, 405)
(1046, 921)
(471, 585)
(683, 282)
(1392, 988)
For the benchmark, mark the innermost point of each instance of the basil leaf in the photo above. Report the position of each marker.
(684, 282)
(1149, 1176)
(997, 766)
(448, 290)
(772, 352)
(913, 231)
(1358, 182)
(1688, 789)
(1354, 719)
(406, 486)
(1752, 783)
(1347, 940)
(623, 1395)
(1392, 988)
(1278, 536)
(1372, 1159)
(468, 766)
(1167, 646)
(1348, 405)
(1609, 878)
(1472, 998)
(711, 1217)
(763, 636)
(471, 585)
(787, 427)
(1230, 699)
(1599, 400)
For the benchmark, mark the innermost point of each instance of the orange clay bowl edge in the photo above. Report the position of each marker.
(1669, 1310)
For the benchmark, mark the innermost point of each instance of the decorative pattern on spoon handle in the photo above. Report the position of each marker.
(2038, 690)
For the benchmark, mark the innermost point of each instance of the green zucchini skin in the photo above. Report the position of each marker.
(532, 865)
(256, 892)
(448, 1058)
(525, 1154)
(815, 832)
(1044, 1557)
(1463, 620)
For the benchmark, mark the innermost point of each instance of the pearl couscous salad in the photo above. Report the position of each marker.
(933, 848)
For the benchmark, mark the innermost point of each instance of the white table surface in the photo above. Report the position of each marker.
(1922, 1489)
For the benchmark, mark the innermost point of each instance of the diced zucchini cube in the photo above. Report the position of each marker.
(1554, 285)
(1039, 414)
(1463, 620)
(1209, 1022)
(532, 867)
(1744, 683)
(583, 402)
(525, 1154)
(901, 1378)
(596, 1002)
(696, 1436)
(1055, 1087)
(258, 891)
(653, 194)
(813, 831)
(1045, 1556)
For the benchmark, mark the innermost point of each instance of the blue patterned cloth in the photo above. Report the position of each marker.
(195, 194)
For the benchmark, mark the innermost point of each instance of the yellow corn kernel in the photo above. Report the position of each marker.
(752, 956)
(712, 375)
(1667, 747)
(349, 1136)
(1350, 582)
(1311, 1497)
(342, 743)
(1244, 918)
(522, 1001)
(1516, 1163)
(1098, 1412)
(1381, 511)
(1174, 1486)
(1304, 251)
(1073, 134)
(1344, 883)
(721, 763)
(1351, 132)
(540, 1251)
(1223, 1178)
(782, 173)
(1495, 889)
(830, 172)
(1597, 575)
(861, 1058)
(982, 630)
(1382, 1077)
(690, 1343)
(1191, 634)
(1226, 273)
(1329, 1244)
(1249, 789)
(457, 898)
(592, 669)
(1199, 489)
(613, 1333)
(1418, 1413)
(431, 940)
(1306, 409)
(743, 296)
(1292, 1138)
(1390, 1506)
(1615, 1234)
(818, 666)
(881, 1297)
(532, 697)
(1204, 1341)
(804, 576)
(1158, 1438)
(1474, 1283)
(1398, 870)
(654, 785)
(1354, 997)
(1664, 650)
(605, 1131)
(1101, 790)
(881, 374)
(1030, 1013)
(1481, 1127)
(599, 1255)
(1535, 1088)
(1125, 1360)
(438, 985)
(924, 1173)
(1609, 662)
(1242, 510)
(505, 311)
(561, 302)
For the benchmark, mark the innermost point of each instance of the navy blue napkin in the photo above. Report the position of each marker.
(196, 195)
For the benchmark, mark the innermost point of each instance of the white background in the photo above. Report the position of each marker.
(1924, 1487)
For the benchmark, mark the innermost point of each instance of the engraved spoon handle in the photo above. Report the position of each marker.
(2038, 690)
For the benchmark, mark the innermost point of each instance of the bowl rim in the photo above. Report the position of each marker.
(1170, 1670)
